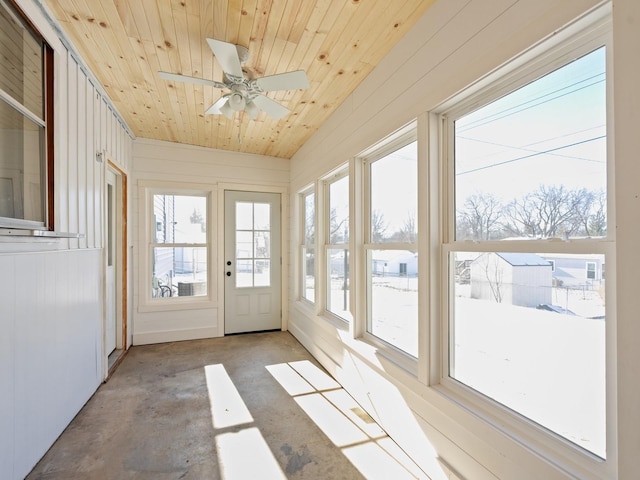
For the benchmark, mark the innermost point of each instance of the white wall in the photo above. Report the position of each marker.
(455, 44)
(51, 291)
(169, 165)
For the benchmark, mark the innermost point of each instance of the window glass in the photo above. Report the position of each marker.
(339, 211)
(392, 294)
(179, 252)
(533, 163)
(23, 146)
(253, 244)
(394, 196)
(337, 254)
(532, 339)
(394, 298)
(338, 282)
(528, 329)
(308, 247)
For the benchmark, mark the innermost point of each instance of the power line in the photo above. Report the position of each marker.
(510, 111)
(524, 147)
(534, 155)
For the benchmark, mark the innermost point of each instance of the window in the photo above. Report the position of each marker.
(307, 246)
(178, 250)
(26, 109)
(337, 245)
(591, 271)
(528, 162)
(391, 244)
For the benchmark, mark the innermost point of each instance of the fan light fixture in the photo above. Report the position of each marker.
(237, 101)
(247, 93)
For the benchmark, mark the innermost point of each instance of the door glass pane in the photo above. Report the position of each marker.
(261, 216)
(262, 244)
(262, 273)
(253, 244)
(244, 245)
(532, 338)
(244, 216)
(244, 273)
(110, 225)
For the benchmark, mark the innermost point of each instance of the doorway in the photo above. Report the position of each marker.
(115, 266)
(252, 262)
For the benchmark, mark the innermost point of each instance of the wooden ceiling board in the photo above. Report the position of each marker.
(337, 43)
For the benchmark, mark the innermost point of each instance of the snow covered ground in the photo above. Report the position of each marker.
(547, 366)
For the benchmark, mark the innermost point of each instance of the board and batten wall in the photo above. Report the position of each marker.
(158, 164)
(454, 45)
(51, 291)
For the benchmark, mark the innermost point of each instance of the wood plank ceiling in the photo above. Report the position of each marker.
(337, 43)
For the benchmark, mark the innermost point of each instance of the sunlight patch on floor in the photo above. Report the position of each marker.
(345, 423)
(245, 454)
(227, 407)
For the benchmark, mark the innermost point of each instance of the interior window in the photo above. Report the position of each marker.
(26, 151)
(179, 252)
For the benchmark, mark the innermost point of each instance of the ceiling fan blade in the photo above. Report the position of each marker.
(283, 81)
(227, 56)
(215, 108)
(270, 107)
(185, 78)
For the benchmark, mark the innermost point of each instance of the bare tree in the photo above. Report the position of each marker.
(479, 218)
(338, 227)
(549, 211)
(409, 231)
(597, 224)
(378, 227)
(309, 224)
(494, 272)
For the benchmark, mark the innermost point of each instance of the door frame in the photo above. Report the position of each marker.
(284, 241)
(121, 261)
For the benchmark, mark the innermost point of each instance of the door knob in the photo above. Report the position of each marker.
(228, 274)
(228, 262)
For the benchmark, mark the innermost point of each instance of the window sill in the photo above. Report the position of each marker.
(32, 233)
(558, 451)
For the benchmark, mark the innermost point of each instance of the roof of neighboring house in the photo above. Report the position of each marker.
(524, 259)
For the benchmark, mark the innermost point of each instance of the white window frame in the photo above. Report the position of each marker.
(336, 175)
(45, 143)
(304, 245)
(579, 38)
(396, 141)
(147, 235)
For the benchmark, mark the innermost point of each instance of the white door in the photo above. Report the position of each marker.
(252, 263)
(111, 247)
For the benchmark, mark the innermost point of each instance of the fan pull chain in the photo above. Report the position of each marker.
(240, 119)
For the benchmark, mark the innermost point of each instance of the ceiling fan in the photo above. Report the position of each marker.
(246, 93)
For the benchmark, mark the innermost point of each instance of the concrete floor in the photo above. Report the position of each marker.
(153, 418)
